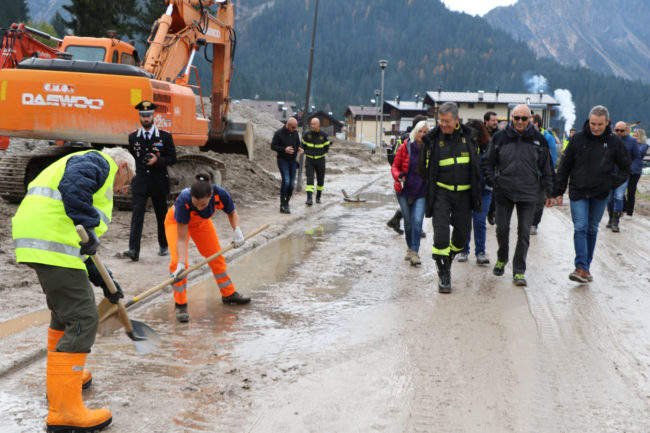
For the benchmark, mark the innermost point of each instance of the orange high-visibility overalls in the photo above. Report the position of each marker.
(204, 235)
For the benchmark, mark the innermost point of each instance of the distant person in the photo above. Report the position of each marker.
(153, 150)
(482, 139)
(636, 171)
(491, 122)
(448, 162)
(517, 160)
(286, 143)
(616, 201)
(394, 222)
(190, 217)
(315, 144)
(410, 190)
(541, 198)
(74, 190)
(595, 162)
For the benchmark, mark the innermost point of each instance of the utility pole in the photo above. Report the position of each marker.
(301, 158)
(382, 65)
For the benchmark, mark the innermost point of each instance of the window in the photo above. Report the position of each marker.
(490, 105)
(92, 54)
(127, 59)
(470, 105)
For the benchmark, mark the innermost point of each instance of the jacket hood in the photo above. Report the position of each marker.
(513, 133)
(587, 130)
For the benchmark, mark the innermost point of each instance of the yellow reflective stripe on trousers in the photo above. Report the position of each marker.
(453, 187)
(314, 157)
(451, 161)
(55, 194)
(437, 252)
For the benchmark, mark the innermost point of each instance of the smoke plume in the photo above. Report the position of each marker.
(535, 83)
(567, 108)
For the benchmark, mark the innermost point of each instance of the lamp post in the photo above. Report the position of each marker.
(361, 124)
(382, 64)
(376, 118)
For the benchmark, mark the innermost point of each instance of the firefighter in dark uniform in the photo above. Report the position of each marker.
(448, 161)
(316, 145)
(153, 150)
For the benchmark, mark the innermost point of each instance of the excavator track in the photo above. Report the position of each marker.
(18, 169)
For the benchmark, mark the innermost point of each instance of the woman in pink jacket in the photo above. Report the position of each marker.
(410, 190)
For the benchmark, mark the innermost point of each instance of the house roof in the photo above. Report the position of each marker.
(320, 114)
(358, 110)
(407, 105)
(434, 97)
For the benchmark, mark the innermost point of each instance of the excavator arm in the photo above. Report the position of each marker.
(186, 26)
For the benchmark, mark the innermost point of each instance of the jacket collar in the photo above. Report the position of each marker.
(586, 130)
(154, 129)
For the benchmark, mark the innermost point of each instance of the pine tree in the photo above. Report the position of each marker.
(13, 11)
(95, 18)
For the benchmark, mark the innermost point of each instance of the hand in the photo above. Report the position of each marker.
(402, 177)
(89, 248)
(558, 200)
(238, 237)
(150, 159)
(114, 298)
(549, 202)
(300, 150)
(176, 274)
(289, 150)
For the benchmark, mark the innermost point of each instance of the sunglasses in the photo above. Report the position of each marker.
(520, 118)
(619, 130)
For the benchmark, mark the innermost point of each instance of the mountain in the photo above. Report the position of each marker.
(608, 36)
(44, 10)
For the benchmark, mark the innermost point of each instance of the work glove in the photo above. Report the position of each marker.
(96, 278)
(176, 274)
(238, 238)
(89, 248)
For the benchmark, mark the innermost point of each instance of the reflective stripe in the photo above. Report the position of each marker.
(222, 275)
(45, 192)
(314, 157)
(451, 161)
(309, 188)
(455, 249)
(179, 289)
(54, 247)
(435, 251)
(453, 187)
(224, 284)
(320, 188)
(54, 194)
(317, 146)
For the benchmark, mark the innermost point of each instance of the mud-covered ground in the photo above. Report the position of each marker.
(343, 335)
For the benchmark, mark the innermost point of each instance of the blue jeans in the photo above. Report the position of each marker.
(479, 223)
(413, 215)
(288, 173)
(616, 197)
(586, 215)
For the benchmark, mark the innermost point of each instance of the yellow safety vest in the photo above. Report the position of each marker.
(42, 231)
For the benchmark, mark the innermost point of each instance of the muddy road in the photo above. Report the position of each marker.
(343, 335)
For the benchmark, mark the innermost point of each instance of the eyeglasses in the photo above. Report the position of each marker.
(619, 130)
(520, 118)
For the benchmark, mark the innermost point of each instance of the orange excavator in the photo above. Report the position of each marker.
(84, 92)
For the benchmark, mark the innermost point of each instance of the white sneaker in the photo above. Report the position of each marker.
(463, 256)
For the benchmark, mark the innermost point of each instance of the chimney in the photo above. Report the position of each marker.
(541, 95)
(439, 90)
(481, 95)
(397, 99)
(497, 93)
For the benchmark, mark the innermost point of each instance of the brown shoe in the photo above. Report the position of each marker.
(579, 275)
(415, 259)
(589, 276)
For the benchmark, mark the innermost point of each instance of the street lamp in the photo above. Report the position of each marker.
(382, 64)
(376, 118)
(361, 124)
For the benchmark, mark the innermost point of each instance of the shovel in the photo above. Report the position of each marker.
(144, 338)
(107, 310)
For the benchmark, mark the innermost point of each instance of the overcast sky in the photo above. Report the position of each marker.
(476, 7)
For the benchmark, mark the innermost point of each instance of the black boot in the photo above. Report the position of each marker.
(286, 202)
(284, 207)
(393, 223)
(611, 218)
(235, 299)
(617, 217)
(318, 193)
(309, 201)
(444, 273)
(181, 313)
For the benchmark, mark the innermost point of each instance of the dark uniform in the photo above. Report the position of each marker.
(449, 164)
(316, 145)
(150, 181)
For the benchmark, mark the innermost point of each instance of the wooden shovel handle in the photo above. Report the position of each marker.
(124, 318)
(192, 268)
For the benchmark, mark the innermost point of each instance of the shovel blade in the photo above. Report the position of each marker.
(108, 319)
(145, 339)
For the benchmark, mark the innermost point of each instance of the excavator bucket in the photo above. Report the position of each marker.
(236, 137)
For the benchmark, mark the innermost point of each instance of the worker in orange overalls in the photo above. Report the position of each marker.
(190, 217)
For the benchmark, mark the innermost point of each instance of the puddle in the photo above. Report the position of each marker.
(18, 324)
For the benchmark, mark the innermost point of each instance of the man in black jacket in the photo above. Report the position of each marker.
(517, 160)
(286, 143)
(588, 166)
(448, 162)
(153, 150)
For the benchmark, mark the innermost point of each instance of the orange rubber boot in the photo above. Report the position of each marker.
(67, 410)
(53, 337)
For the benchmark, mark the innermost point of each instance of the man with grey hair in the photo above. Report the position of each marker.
(595, 162)
(516, 159)
(448, 162)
